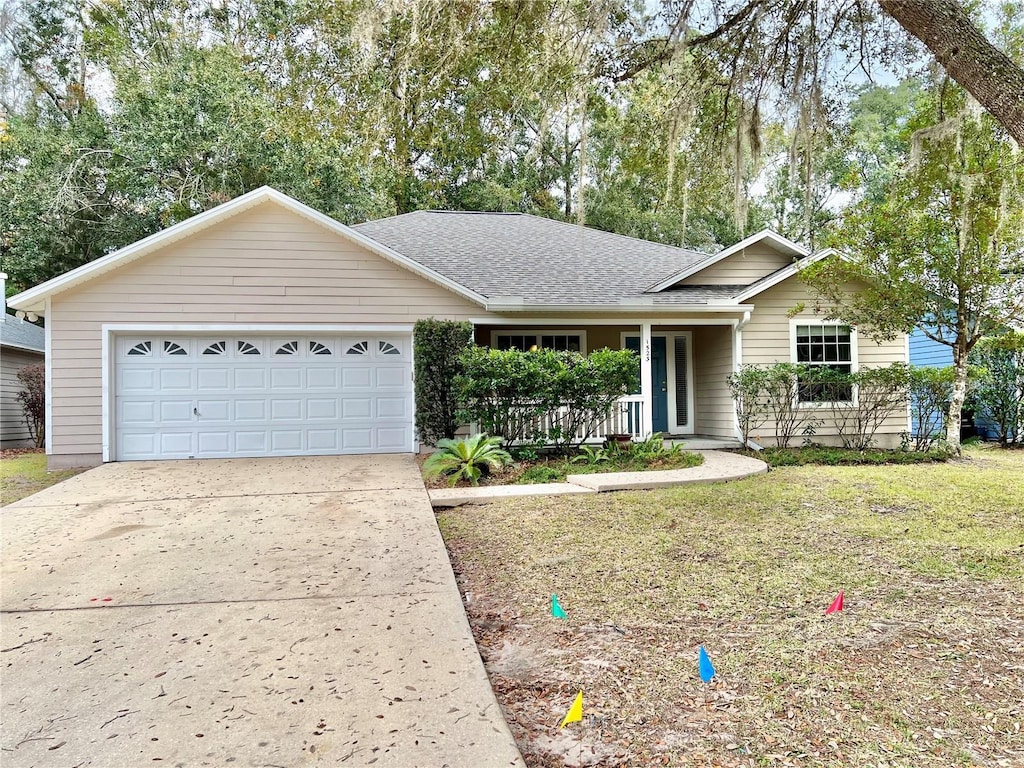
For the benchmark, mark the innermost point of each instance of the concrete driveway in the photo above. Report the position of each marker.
(263, 612)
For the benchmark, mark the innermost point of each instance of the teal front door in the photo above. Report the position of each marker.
(659, 379)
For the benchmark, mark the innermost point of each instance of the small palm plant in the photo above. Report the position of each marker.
(471, 458)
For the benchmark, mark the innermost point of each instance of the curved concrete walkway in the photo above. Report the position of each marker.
(718, 466)
(253, 612)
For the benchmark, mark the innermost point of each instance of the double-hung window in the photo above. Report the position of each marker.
(824, 345)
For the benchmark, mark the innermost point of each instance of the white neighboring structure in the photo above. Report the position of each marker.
(21, 343)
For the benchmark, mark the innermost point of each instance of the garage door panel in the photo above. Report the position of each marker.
(392, 378)
(321, 408)
(234, 396)
(179, 379)
(214, 443)
(174, 443)
(251, 410)
(392, 408)
(254, 441)
(214, 410)
(323, 440)
(391, 439)
(356, 378)
(286, 441)
(286, 410)
(213, 379)
(137, 380)
(355, 440)
(322, 378)
(176, 411)
(286, 378)
(356, 408)
(250, 378)
(141, 412)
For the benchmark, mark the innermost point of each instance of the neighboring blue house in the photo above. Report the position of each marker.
(928, 353)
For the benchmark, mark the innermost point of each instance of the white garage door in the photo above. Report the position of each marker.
(183, 397)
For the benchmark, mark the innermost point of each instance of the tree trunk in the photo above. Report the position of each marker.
(956, 401)
(967, 56)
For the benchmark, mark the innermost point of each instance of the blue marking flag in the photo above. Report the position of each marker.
(707, 669)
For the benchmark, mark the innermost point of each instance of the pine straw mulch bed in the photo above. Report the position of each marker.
(924, 667)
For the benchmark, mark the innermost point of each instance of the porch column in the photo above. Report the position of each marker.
(646, 384)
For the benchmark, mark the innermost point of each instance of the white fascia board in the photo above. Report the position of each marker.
(34, 298)
(271, 328)
(774, 239)
(784, 274)
(621, 309)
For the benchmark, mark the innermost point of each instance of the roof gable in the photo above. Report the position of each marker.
(766, 236)
(35, 298)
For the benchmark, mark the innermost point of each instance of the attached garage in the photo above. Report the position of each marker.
(257, 328)
(248, 395)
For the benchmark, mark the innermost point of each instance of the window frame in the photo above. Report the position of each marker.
(495, 333)
(854, 365)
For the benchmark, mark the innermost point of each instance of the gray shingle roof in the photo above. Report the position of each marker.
(542, 261)
(18, 333)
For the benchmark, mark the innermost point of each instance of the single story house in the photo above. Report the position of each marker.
(263, 327)
(21, 343)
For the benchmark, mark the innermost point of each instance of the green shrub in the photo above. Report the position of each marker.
(470, 458)
(591, 455)
(561, 396)
(438, 345)
(930, 390)
(504, 392)
(997, 392)
(861, 402)
(835, 456)
(587, 387)
(748, 388)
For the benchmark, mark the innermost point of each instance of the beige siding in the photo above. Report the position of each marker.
(13, 431)
(766, 340)
(741, 268)
(712, 363)
(267, 265)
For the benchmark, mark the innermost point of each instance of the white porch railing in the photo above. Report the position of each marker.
(623, 419)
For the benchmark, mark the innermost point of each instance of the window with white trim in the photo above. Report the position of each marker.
(825, 345)
(524, 341)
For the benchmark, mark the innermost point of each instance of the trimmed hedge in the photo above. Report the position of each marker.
(438, 346)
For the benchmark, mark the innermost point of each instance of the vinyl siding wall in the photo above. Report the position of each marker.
(13, 432)
(766, 340)
(743, 268)
(266, 265)
(712, 363)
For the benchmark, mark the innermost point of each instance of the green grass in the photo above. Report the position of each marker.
(25, 473)
(931, 558)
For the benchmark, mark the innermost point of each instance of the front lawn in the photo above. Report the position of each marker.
(922, 668)
(23, 473)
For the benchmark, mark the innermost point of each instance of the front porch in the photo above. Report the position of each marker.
(684, 364)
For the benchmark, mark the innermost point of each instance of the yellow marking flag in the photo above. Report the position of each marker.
(575, 713)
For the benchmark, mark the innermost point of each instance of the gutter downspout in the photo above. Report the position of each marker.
(737, 362)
